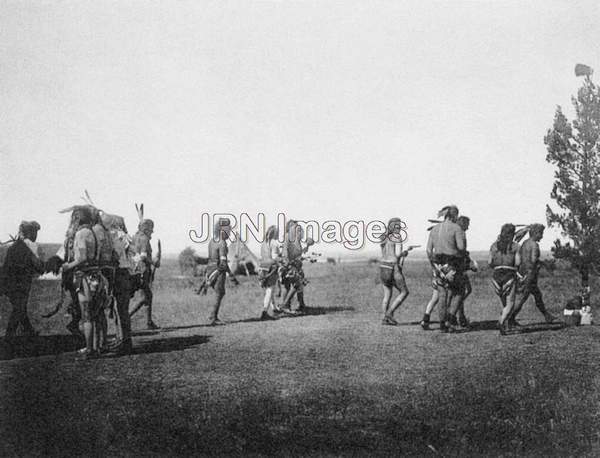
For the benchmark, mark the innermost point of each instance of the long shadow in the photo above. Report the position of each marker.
(311, 311)
(492, 325)
(165, 345)
(416, 323)
(308, 311)
(37, 346)
(538, 327)
(315, 310)
(26, 347)
(146, 332)
(487, 325)
(187, 326)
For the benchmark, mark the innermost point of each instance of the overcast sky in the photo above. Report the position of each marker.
(321, 110)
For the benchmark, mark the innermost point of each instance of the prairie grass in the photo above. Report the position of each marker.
(332, 383)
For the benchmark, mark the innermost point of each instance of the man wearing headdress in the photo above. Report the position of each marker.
(529, 270)
(88, 282)
(446, 249)
(143, 250)
(54, 264)
(22, 263)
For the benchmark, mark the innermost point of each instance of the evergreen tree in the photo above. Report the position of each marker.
(574, 149)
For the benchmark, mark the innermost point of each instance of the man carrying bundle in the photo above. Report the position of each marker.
(21, 265)
(446, 249)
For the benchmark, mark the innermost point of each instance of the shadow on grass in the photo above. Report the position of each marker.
(315, 310)
(538, 327)
(146, 332)
(492, 325)
(27, 347)
(23, 347)
(167, 344)
(309, 311)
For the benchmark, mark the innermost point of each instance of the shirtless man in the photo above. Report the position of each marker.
(217, 268)
(270, 259)
(505, 260)
(469, 265)
(463, 222)
(530, 266)
(145, 266)
(390, 270)
(446, 249)
(87, 279)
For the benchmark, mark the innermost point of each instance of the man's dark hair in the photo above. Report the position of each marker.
(452, 212)
(83, 215)
(536, 229)
(505, 239)
(29, 229)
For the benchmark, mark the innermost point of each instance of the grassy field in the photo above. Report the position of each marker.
(332, 383)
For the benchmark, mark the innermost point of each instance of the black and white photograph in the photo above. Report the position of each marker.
(299, 228)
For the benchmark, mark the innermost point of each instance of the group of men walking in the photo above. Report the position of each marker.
(515, 269)
(102, 267)
(280, 265)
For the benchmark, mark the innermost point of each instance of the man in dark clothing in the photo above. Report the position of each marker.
(21, 265)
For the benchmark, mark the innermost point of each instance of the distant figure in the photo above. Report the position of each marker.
(217, 268)
(446, 249)
(292, 273)
(270, 260)
(390, 270)
(505, 260)
(21, 265)
(530, 267)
